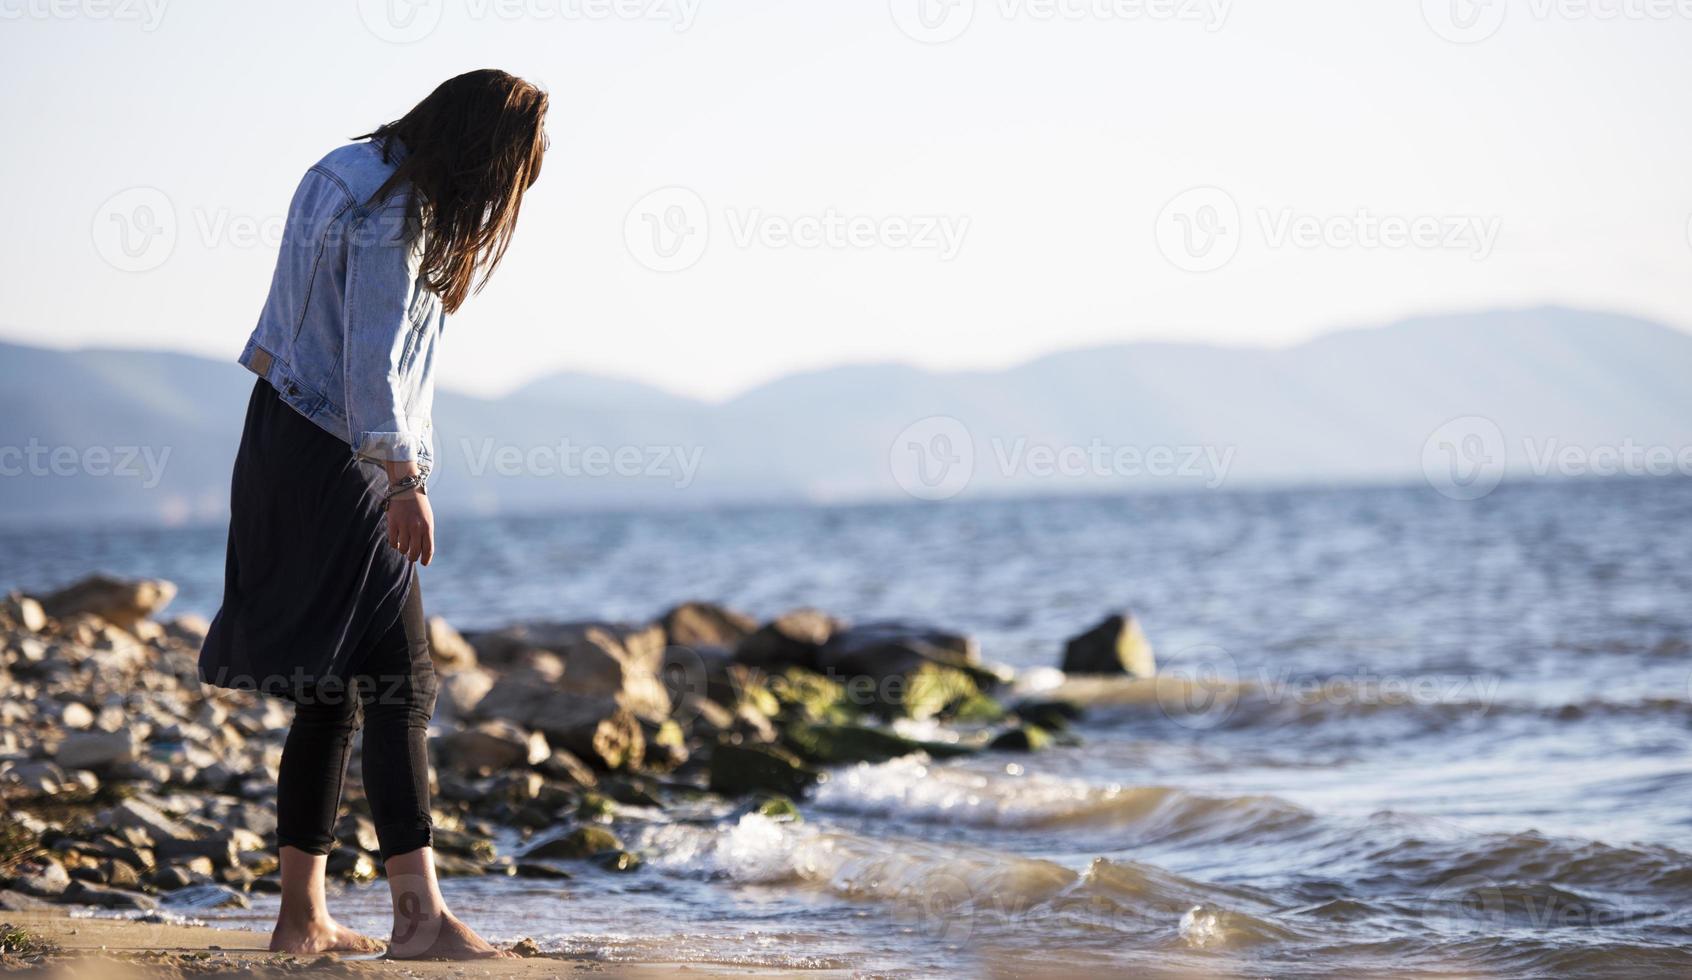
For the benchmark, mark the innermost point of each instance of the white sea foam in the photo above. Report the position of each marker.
(754, 849)
(1200, 928)
(1038, 680)
(925, 730)
(915, 787)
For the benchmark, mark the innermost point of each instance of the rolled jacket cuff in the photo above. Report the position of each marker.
(393, 447)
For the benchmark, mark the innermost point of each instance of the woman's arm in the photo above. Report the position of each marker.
(379, 286)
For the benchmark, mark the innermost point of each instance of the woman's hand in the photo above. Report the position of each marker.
(411, 522)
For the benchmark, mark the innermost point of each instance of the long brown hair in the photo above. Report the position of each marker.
(471, 149)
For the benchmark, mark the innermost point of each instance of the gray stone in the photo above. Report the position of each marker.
(1023, 738)
(739, 769)
(358, 830)
(14, 901)
(34, 778)
(83, 893)
(222, 852)
(42, 878)
(448, 648)
(170, 878)
(563, 764)
(188, 629)
(614, 741)
(459, 694)
(98, 750)
(1115, 646)
(579, 842)
(704, 624)
(493, 745)
(792, 639)
(76, 715)
(148, 817)
(117, 601)
(25, 611)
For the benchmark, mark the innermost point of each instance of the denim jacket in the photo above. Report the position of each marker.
(349, 333)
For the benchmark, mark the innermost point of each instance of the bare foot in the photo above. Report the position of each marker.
(322, 936)
(445, 938)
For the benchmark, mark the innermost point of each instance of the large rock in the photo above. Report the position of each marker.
(1115, 646)
(448, 648)
(189, 629)
(689, 673)
(929, 691)
(833, 745)
(493, 745)
(42, 878)
(1022, 738)
(98, 750)
(642, 644)
(140, 814)
(890, 649)
(602, 664)
(121, 602)
(11, 901)
(704, 624)
(792, 639)
(579, 842)
(222, 850)
(83, 893)
(892, 668)
(564, 765)
(598, 674)
(612, 742)
(740, 769)
(594, 705)
(36, 779)
(517, 696)
(459, 693)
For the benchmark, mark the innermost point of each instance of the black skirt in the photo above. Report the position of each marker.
(310, 580)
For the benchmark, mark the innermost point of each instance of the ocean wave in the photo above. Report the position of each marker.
(1526, 860)
(915, 788)
(955, 891)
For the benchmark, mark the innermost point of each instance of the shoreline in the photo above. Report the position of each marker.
(115, 948)
(556, 748)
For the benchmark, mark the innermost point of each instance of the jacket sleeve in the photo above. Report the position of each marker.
(380, 282)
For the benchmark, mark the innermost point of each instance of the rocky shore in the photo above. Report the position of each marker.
(128, 785)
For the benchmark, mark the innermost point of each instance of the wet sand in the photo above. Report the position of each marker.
(113, 949)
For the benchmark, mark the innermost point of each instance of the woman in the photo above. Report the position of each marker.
(329, 511)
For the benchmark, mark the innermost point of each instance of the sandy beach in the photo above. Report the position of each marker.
(110, 949)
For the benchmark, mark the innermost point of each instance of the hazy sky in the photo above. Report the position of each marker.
(940, 182)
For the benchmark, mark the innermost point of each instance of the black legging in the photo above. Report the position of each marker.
(394, 683)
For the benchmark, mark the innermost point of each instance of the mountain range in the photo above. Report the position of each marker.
(1375, 404)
